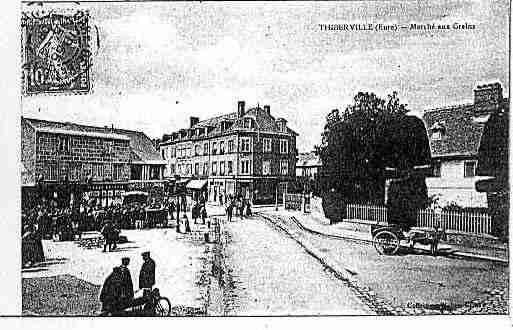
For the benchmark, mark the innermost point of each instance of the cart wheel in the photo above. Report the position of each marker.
(386, 242)
(163, 307)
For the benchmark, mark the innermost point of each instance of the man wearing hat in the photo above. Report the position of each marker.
(127, 291)
(117, 292)
(147, 274)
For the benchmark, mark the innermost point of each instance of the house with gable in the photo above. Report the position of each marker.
(455, 134)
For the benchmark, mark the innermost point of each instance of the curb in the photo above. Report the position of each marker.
(342, 273)
(466, 255)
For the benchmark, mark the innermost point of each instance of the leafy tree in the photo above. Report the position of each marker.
(359, 144)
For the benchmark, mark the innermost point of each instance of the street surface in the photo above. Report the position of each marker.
(417, 283)
(273, 275)
(68, 283)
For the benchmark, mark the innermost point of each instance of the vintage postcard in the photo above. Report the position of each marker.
(264, 159)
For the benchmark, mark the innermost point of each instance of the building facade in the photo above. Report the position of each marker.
(455, 135)
(70, 161)
(248, 153)
(308, 165)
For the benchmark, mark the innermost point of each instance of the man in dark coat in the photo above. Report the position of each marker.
(117, 292)
(127, 287)
(110, 295)
(147, 274)
(108, 234)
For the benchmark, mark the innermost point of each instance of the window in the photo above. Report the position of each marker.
(221, 147)
(196, 169)
(245, 144)
(284, 167)
(214, 148)
(205, 168)
(267, 144)
(197, 150)
(172, 168)
(64, 146)
(266, 167)
(76, 171)
(436, 135)
(154, 173)
(284, 146)
(470, 169)
(108, 147)
(437, 169)
(117, 172)
(163, 151)
(97, 171)
(231, 146)
(189, 153)
(245, 166)
(221, 168)
(437, 130)
(205, 148)
(248, 123)
(214, 168)
(173, 152)
(230, 167)
(282, 126)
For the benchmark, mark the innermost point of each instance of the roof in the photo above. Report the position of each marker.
(308, 159)
(462, 127)
(264, 123)
(142, 150)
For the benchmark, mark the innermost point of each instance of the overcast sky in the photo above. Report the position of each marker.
(159, 63)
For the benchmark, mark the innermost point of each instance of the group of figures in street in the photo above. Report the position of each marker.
(117, 293)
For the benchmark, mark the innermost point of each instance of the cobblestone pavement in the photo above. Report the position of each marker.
(270, 274)
(182, 264)
(410, 284)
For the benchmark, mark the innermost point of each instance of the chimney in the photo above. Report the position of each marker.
(490, 94)
(267, 109)
(240, 109)
(194, 121)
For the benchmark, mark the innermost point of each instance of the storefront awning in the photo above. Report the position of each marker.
(196, 184)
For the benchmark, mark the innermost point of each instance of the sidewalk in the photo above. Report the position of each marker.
(318, 224)
(69, 281)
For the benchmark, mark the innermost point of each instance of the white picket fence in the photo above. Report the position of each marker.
(367, 213)
(465, 222)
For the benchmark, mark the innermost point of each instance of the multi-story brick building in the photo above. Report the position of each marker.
(248, 153)
(74, 160)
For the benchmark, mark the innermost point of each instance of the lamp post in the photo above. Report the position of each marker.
(276, 197)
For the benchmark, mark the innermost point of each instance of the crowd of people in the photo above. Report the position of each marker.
(240, 205)
(63, 223)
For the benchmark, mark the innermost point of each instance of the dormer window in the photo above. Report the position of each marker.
(282, 124)
(248, 123)
(437, 131)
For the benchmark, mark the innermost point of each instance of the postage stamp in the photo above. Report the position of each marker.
(56, 53)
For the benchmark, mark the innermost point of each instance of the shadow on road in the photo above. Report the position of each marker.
(60, 295)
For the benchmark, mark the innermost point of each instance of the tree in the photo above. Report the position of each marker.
(358, 146)
(494, 162)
